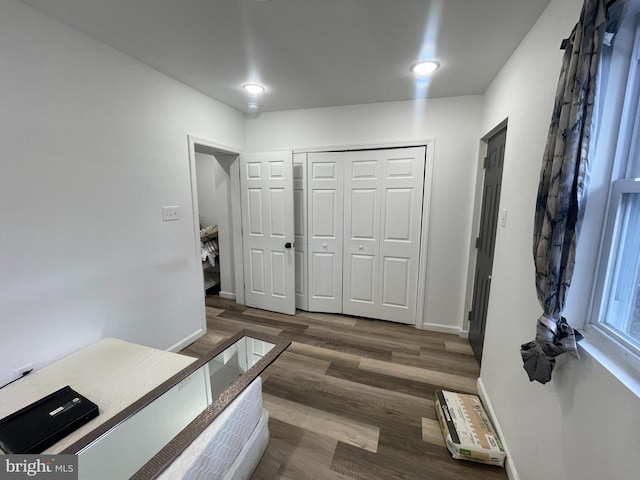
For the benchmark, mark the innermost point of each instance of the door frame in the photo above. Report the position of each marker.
(475, 224)
(429, 144)
(236, 226)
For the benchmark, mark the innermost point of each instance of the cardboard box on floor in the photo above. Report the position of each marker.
(467, 431)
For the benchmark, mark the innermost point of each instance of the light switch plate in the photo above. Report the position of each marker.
(170, 213)
(503, 217)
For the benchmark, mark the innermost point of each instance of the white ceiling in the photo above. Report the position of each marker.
(310, 53)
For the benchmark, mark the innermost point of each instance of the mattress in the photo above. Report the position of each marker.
(112, 373)
(247, 461)
(212, 454)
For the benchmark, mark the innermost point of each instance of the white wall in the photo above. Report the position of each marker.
(584, 424)
(452, 123)
(208, 206)
(93, 143)
(213, 177)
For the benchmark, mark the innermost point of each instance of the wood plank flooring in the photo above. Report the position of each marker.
(351, 398)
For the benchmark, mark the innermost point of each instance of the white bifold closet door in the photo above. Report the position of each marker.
(266, 186)
(300, 228)
(325, 237)
(382, 222)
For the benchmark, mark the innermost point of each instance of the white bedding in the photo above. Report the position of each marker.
(213, 453)
(112, 373)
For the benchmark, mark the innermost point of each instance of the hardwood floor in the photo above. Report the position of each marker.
(352, 398)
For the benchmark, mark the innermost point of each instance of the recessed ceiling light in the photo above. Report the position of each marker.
(425, 68)
(253, 88)
(252, 106)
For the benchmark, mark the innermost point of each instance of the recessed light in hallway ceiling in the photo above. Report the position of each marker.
(426, 67)
(254, 88)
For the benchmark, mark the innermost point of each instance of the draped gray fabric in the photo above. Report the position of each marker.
(560, 192)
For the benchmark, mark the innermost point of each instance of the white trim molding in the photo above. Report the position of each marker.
(236, 230)
(419, 142)
(227, 295)
(509, 466)
(185, 342)
(214, 147)
(436, 327)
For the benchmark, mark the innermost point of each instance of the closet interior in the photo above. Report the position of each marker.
(209, 255)
(212, 174)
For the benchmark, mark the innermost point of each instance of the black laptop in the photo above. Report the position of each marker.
(36, 427)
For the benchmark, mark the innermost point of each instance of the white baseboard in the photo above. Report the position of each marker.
(434, 327)
(227, 295)
(187, 341)
(464, 333)
(512, 473)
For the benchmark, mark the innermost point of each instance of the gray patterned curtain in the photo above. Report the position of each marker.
(564, 167)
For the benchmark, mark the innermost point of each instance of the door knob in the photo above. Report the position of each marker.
(360, 247)
(288, 245)
(324, 245)
(489, 277)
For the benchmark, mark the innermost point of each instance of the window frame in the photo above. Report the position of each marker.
(625, 163)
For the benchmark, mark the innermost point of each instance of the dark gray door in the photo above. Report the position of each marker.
(486, 241)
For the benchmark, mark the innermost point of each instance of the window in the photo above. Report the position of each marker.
(616, 308)
(620, 311)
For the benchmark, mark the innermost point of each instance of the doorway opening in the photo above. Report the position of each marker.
(213, 168)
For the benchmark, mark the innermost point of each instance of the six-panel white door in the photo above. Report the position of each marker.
(361, 233)
(324, 245)
(382, 221)
(266, 185)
